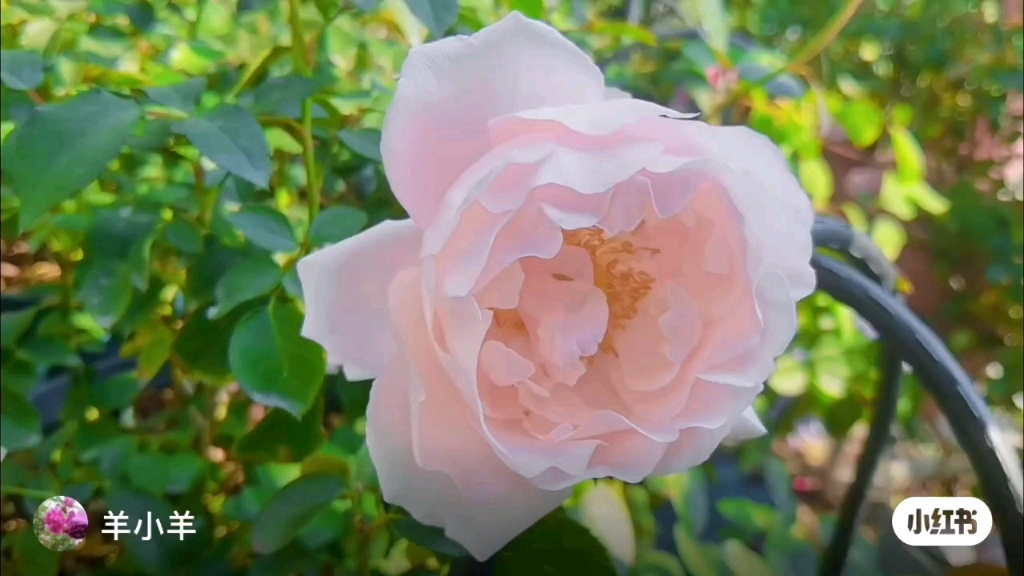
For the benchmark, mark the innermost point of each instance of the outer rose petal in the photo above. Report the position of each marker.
(436, 125)
(747, 427)
(345, 287)
(496, 504)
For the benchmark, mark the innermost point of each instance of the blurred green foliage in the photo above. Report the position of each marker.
(166, 163)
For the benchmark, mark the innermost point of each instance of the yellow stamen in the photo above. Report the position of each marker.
(623, 286)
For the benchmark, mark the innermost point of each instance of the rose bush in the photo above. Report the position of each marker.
(588, 285)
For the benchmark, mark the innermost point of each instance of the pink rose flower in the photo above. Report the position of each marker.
(56, 521)
(588, 286)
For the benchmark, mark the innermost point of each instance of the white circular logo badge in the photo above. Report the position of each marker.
(953, 521)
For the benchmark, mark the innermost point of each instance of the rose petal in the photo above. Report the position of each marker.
(613, 93)
(694, 446)
(345, 290)
(747, 427)
(477, 499)
(436, 125)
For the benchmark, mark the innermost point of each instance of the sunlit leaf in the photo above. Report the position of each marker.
(816, 178)
(889, 235)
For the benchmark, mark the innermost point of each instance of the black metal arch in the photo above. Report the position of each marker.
(866, 285)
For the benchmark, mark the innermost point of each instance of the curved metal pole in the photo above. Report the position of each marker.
(869, 259)
(879, 436)
(995, 462)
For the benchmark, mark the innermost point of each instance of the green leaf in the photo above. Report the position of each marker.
(232, 138)
(185, 236)
(902, 197)
(841, 415)
(13, 325)
(790, 378)
(896, 197)
(698, 558)
(889, 235)
(152, 344)
(184, 96)
(125, 235)
(816, 178)
(21, 69)
(160, 555)
(751, 516)
(743, 561)
(437, 15)
(788, 556)
(929, 199)
(19, 421)
(335, 224)
(185, 469)
(292, 285)
(657, 563)
(604, 511)
(48, 351)
(355, 396)
(208, 269)
(30, 556)
(291, 508)
(202, 344)
(105, 290)
(911, 163)
(283, 96)
(63, 147)
(864, 122)
(280, 436)
(148, 472)
(365, 142)
(367, 6)
(266, 228)
(696, 507)
(554, 546)
(529, 8)
(429, 537)
(780, 487)
(115, 393)
(273, 363)
(328, 525)
(249, 279)
(715, 22)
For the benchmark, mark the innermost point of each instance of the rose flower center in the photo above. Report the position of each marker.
(623, 285)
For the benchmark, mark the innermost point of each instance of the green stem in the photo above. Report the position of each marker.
(27, 492)
(298, 39)
(826, 36)
(309, 159)
(256, 67)
(812, 48)
(302, 64)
